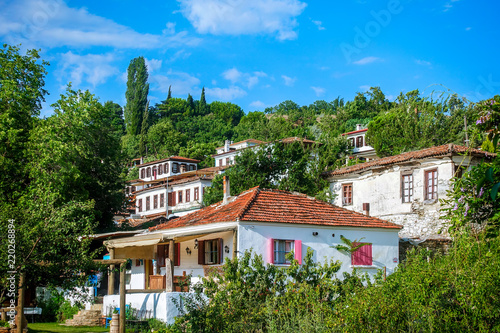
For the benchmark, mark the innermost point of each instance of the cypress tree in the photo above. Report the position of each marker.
(202, 105)
(136, 95)
(169, 93)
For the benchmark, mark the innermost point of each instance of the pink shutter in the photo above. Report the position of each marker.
(270, 251)
(177, 255)
(363, 255)
(298, 251)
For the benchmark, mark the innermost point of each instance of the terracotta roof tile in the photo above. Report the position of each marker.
(296, 138)
(247, 140)
(410, 156)
(264, 205)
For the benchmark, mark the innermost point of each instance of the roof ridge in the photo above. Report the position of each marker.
(245, 208)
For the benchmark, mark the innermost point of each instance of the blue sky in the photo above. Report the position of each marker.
(259, 53)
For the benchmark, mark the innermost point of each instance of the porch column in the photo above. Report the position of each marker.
(111, 274)
(170, 263)
(235, 243)
(122, 297)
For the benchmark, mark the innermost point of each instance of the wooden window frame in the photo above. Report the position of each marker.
(163, 251)
(143, 173)
(183, 167)
(179, 196)
(215, 252)
(155, 201)
(148, 203)
(165, 168)
(347, 200)
(227, 160)
(139, 205)
(363, 256)
(175, 167)
(279, 255)
(359, 141)
(196, 193)
(188, 195)
(434, 194)
(148, 172)
(352, 142)
(160, 170)
(407, 198)
(192, 167)
(162, 200)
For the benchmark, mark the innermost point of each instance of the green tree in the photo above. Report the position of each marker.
(202, 105)
(136, 95)
(117, 121)
(164, 140)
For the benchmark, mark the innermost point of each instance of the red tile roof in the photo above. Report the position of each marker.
(264, 205)
(258, 142)
(449, 149)
(296, 138)
(172, 158)
(356, 131)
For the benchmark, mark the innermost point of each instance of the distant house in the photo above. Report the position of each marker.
(360, 149)
(405, 188)
(271, 222)
(226, 154)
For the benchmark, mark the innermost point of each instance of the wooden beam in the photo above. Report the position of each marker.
(122, 298)
(111, 274)
(111, 261)
(235, 243)
(171, 262)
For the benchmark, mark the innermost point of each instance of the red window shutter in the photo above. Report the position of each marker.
(221, 252)
(173, 198)
(177, 261)
(161, 255)
(362, 256)
(298, 251)
(201, 252)
(270, 251)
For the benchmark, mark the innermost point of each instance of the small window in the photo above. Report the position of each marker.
(192, 167)
(459, 171)
(196, 193)
(143, 173)
(171, 199)
(431, 185)
(175, 167)
(362, 256)
(133, 189)
(155, 173)
(227, 160)
(148, 172)
(162, 199)
(347, 194)
(163, 251)
(359, 141)
(139, 205)
(179, 195)
(165, 168)
(212, 256)
(160, 169)
(148, 203)
(220, 162)
(351, 142)
(407, 187)
(188, 195)
(183, 167)
(155, 202)
(281, 249)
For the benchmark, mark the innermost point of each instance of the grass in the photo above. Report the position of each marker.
(57, 328)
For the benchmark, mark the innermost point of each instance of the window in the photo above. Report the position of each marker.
(163, 251)
(171, 199)
(133, 189)
(362, 256)
(459, 171)
(160, 169)
(183, 167)
(179, 197)
(281, 249)
(148, 203)
(196, 193)
(143, 173)
(155, 202)
(431, 184)
(175, 167)
(346, 194)
(220, 162)
(210, 252)
(165, 168)
(148, 172)
(192, 167)
(407, 187)
(162, 199)
(351, 142)
(154, 172)
(359, 141)
(188, 195)
(139, 205)
(227, 160)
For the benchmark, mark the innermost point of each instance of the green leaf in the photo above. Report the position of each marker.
(495, 141)
(489, 174)
(494, 191)
(480, 184)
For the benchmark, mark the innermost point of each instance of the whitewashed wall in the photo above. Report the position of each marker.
(385, 242)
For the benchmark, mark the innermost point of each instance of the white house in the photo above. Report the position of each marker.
(357, 140)
(406, 188)
(166, 167)
(226, 154)
(269, 222)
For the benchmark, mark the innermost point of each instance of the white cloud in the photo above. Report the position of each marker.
(225, 94)
(169, 28)
(318, 90)
(242, 17)
(366, 60)
(468, 28)
(289, 81)
(182, 83)
(449, 5)
(54, 24)
(258, 105)
(423, 63)
(92, 68)
(364, 88)
(153, 64)
(247, 79)
(319, 24)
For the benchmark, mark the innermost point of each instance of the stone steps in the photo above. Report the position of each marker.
(85, 318)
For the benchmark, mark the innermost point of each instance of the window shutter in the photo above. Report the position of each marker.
(174, 198)
(298, 251)
(201, 252)
(270, 251)
(177, 254)
(363, 255)
(221, 252)
(161, 255)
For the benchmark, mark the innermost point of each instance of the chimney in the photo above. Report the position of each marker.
(226, 189)
(359, 127)
(366, 208)
(226, 145)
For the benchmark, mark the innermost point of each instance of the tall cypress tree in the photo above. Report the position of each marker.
(137, 95)
(169, 93)
(202, 105)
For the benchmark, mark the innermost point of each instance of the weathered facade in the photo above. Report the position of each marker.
(405, 189)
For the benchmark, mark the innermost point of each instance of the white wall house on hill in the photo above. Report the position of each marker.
(226, 154)
(406, 188)
(357, 140)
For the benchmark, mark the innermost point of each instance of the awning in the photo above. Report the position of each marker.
(138, 247)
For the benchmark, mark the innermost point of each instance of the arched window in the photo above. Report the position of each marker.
(155, 172)
(359, 141)
(148, 172)
(143, 173)
(175, 167)
(160, 169)
(165, 167)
